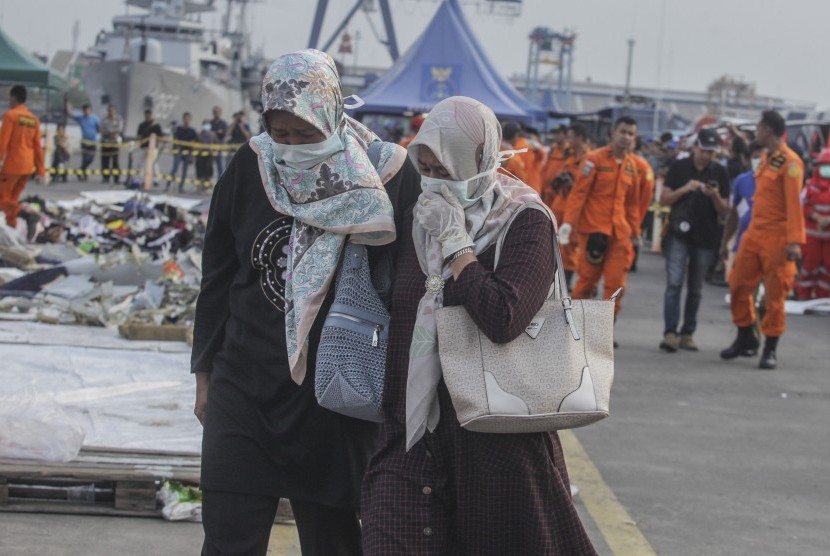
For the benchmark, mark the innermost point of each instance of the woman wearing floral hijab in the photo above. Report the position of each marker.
(278, 222)
(433, 487)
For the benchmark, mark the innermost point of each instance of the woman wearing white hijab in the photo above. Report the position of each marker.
(433, 487)
(279, 218)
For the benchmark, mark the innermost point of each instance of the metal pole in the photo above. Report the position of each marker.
(356, 45)
(560, 94)
(317, 26)
(570, 79)
(529, 92)
(150, 163)
(627, 95)
(656, 122)
(391, 39)
(48, 148)
(656, 215)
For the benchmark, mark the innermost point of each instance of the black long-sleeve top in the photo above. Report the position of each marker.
(264, 434)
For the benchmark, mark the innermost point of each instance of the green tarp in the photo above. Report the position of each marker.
(19, 67)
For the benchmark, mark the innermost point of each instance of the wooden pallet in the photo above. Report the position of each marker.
(100, 481)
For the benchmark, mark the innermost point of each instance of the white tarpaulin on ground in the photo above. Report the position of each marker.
(125, 394)
(116, 196)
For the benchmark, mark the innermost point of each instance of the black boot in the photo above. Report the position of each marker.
(768, 360)
(745, 345)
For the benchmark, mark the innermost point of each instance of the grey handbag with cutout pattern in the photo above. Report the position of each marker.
(351, 358)
(556, 375)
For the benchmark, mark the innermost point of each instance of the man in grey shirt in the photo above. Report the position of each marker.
(111, 129)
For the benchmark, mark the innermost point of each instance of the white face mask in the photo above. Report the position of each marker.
(756, 162)
(304, 157)
(459, 188)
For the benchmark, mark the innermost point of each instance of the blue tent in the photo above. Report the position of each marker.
(446, 60)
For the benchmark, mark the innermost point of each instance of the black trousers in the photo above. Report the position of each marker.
(240, 525)
(87, 156)
(109, 164)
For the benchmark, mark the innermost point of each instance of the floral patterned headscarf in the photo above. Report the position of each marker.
(343, 195)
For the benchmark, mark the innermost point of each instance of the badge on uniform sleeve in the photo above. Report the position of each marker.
(777, 161)
(793, 170)
(587, 168)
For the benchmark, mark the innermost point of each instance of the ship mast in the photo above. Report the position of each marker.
(391, 41)
(238, 34)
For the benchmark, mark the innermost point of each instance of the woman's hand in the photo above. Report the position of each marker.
(202, 383)
(442, 216)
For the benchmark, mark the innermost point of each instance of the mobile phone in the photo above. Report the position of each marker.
(712, 183)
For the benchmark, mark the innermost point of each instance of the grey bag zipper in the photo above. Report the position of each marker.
(376, 327)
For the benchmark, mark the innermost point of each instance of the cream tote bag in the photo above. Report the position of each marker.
(556, 375)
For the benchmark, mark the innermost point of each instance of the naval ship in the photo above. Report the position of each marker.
(168, 61)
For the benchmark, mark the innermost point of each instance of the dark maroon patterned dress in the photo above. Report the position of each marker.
(461, 492)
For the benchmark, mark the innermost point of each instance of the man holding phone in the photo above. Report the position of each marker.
(697, 190)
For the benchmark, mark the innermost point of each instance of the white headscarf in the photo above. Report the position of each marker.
(458, 131)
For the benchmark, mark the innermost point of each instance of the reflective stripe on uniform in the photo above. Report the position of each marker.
(812, 232)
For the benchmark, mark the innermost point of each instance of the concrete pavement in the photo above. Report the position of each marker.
(713, 457)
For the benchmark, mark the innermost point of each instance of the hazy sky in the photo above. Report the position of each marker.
(777, 46)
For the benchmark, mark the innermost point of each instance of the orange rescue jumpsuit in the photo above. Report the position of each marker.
(533, 160)
(517, 166)
(407, 140)
(777, 220)
(559, 206)
(554, 166)
(604, 200)
(21, 153)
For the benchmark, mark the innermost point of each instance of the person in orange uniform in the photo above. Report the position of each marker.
(517, 164)
(770, 246)
(555, 163)
(603, 209)
(21, 153)
(414, 125)
(562, 186)
(533, 159)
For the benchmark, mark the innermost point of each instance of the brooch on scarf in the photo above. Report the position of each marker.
(434, 284)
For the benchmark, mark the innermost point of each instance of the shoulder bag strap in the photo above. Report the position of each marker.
(559, 285)
(374, 153)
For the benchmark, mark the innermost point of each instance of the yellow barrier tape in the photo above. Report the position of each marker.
(96, 172)
(197, 145)
(657, 207)
(197, 149)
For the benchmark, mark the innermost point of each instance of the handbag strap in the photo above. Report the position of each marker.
(560, 284)
(374, 153)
